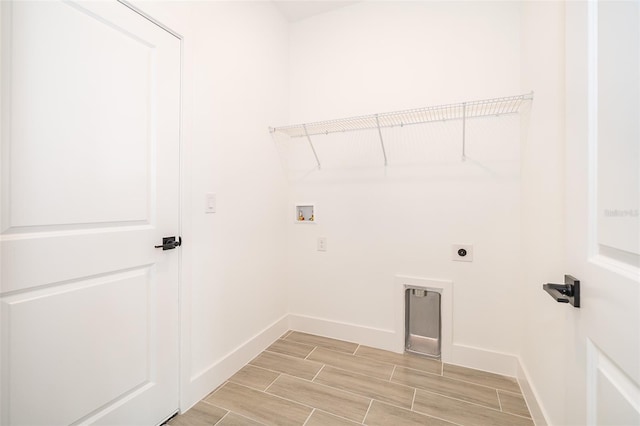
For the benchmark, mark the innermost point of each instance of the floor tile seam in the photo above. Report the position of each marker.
(473, 403)
(337, 415)
(286, 333)
(316, 375)
(225, 415)
(413, 400)
(332, 347)
(374, 378)
(526, 404)
(418, 412)
(311, 406)
(368, 397)
(459, 380)
(309, 416)
(520, 394)
(364, 396)
(301, 357)
(248, 418)
(463, 424)
(440, 418)
(326, 386)
(288, 356)
(213, 405)
(350, 370)
(306, 358)
(355, 356)
(234, 412)
(267, 369)
(457, 399)
(367, 412)
(287, 341)
(396, 381)
(261, 368)
(216, 390)
(270, 395)
(494, 387)
(402, 365)
(395, 364)
(356, 349)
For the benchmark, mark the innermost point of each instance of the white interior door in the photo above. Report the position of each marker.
(602, 211)
(90, 178)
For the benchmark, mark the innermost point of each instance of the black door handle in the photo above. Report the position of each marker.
(169, 243)
(569, 292)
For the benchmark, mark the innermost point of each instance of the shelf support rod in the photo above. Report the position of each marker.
(384, 152)
(304, 126)
(464, 129)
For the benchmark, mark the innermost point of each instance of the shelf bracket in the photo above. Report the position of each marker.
(384, 152)
(464, 130)
(311, 145)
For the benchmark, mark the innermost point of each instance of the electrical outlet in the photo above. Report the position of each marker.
(462, 252)
(322, 244)
(210, 202)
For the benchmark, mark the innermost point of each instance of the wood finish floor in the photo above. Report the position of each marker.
(303, 379)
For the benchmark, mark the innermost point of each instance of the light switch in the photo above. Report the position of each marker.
(210, 203)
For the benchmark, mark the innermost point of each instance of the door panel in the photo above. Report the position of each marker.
(602, 184)
(84, 311)
(90, 178)
(109, 70)
(617, 50)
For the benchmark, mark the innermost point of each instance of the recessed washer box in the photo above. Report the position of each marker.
(462, 252)
(305, 213)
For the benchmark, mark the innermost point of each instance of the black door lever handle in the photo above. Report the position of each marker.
(569, 292)
(169, 243)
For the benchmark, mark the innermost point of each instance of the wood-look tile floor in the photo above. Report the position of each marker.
(303, 379)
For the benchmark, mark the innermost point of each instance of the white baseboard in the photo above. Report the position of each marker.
(531, 396)
(369, 336)
(465, 356)
(202, 383)
(484, 359)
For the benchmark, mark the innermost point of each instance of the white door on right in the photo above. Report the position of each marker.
(602, 211)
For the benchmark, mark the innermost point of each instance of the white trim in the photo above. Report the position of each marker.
(592, 127)
(205, 381)
(484, 359)
(598, 362)
(538, 414)
(369, 336)
(202, 383)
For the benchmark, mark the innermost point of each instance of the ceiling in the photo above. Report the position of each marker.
(297, 10)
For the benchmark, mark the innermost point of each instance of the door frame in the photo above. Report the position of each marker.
(184, 226)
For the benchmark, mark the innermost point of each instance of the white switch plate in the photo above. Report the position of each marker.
(322, 244)
(210, 203)
(462, 252)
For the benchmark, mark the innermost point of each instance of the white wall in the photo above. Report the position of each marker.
(543, 205)
(234, 86)
(245, 68)
(381, 56)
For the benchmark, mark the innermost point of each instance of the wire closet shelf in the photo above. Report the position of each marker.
(458, 111)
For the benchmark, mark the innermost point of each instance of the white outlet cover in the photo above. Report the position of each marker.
(322, 244)
(210, 202)
(462, 252)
